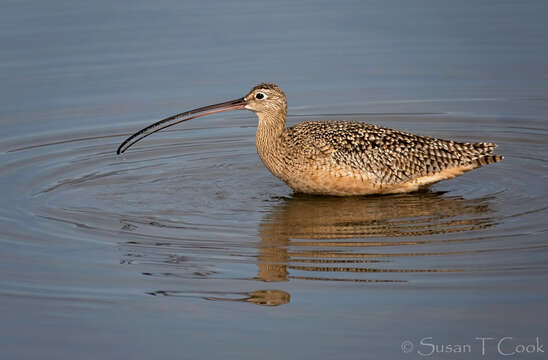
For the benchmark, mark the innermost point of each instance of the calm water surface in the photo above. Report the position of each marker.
(187, 247)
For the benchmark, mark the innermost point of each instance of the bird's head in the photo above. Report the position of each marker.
(264, 99)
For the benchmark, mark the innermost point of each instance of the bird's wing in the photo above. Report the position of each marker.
(389, 156)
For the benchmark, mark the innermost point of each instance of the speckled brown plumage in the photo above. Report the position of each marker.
(387, 156)
(355, 158)
(340, 157)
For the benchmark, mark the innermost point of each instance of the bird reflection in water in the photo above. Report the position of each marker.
(356, 239)
(309, 235)
(260, 297)
(269, 297)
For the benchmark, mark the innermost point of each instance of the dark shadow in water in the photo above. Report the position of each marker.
(325, 235)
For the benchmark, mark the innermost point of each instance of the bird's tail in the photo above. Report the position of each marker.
(489, 159)
(484, 155)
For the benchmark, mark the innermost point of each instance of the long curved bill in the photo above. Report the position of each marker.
(238, 104)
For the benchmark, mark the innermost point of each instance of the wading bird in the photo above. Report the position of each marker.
(340, 157)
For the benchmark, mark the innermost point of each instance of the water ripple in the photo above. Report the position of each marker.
(198, 205)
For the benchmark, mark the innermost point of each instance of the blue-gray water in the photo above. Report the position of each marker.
(186, 247)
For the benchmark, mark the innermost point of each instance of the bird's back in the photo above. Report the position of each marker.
(386, 158)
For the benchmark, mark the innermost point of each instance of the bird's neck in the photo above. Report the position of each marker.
(269, 138)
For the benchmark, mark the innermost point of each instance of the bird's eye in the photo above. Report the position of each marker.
(259, 96)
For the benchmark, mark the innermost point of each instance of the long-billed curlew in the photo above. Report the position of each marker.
(340, 157)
